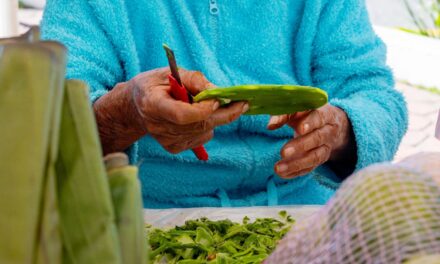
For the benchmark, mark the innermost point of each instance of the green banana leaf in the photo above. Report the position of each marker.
(127, 202)
(269, 99)
(88, 229)
(27, 90)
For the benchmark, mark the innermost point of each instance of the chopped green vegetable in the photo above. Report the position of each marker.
(224, 241)
(270, 98)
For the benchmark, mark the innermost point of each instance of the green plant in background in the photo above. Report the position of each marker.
(432, 89)
(426, 16)
(22, 5)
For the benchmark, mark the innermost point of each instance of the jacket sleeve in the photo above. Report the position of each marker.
(349, 62)
(91, 56)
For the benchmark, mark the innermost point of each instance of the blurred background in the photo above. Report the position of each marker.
(411, 31)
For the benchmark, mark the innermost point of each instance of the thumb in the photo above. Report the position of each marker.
(194, 81)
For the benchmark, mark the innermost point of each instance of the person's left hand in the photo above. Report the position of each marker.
(321, 135)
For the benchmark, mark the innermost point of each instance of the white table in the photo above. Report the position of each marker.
(165, 218)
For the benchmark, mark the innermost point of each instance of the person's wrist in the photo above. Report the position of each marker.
(343, 158)
(119, 121)
(342, 140)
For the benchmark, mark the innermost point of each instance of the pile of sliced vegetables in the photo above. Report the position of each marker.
(224, 241)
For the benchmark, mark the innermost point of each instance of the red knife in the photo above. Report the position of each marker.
(179, 92)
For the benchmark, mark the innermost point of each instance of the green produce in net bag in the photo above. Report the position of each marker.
(385, 213)
(87, 216)
(269, 99)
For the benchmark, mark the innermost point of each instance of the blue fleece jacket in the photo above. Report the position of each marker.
(325, 43)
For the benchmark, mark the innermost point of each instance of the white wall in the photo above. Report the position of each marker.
(413, 58)
(8, 18)
(391, 13)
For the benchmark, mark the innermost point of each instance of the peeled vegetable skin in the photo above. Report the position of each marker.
(269, 99)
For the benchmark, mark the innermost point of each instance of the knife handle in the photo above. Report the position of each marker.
(180, 93)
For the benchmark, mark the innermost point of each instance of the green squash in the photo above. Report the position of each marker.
(269, 99)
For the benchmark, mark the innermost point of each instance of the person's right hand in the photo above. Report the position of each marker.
(144, 105)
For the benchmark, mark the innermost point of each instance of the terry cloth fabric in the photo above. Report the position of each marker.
(325, 43)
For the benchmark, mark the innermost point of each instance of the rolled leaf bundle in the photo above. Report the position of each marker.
(49, 240)
(87, 218)
(27, 89)
(127, 202)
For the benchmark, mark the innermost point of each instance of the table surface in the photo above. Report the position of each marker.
(164, 218)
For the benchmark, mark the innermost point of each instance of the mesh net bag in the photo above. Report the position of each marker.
(383, 214)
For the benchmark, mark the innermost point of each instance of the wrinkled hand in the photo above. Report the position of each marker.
(144, 106)
(321, 135)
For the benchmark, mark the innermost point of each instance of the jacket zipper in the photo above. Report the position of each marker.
(213, 8)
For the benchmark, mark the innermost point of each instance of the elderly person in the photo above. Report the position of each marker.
(115, 46)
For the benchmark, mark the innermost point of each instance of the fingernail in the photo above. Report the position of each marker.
(245, 108)
(306, 128)
(282, 168)
(210, 86)
(274, 120)
(289, 151)
(216, 105)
